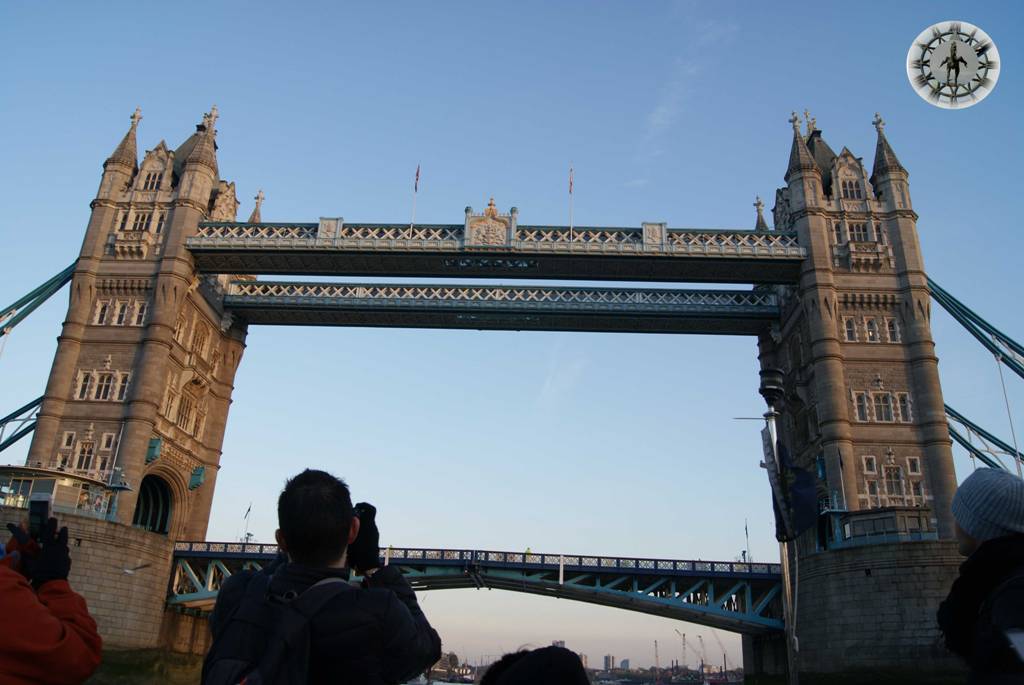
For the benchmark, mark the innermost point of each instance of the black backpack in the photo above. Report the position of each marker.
(266, 639)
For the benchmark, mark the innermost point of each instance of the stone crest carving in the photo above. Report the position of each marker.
(489, 228)
(225, 204)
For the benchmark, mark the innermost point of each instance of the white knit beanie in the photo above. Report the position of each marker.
(990, 504)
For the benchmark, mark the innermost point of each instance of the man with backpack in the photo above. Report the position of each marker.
(299, 620)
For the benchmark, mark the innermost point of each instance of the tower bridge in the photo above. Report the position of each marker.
(127, 435)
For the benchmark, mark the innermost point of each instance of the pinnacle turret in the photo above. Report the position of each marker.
(126, 152)
(204, 149)
(885, 159)
(800, 158)
(255, 217)
(760, 224)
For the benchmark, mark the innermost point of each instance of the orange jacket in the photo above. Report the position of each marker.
(45, 638)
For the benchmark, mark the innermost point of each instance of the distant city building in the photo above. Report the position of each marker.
(624, 665)
(558, 643)
(609, 662)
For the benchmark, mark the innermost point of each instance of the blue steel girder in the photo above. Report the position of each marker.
(718, 594)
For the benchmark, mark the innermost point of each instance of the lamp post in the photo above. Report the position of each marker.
(772, 391)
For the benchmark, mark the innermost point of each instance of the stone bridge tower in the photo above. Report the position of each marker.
(862, 410)
(138, 395)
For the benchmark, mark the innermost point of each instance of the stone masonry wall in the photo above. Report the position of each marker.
(128, 608)
(874, 607)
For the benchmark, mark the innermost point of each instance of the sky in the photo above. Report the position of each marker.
(610, 444)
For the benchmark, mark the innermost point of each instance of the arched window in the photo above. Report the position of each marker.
(153, 510)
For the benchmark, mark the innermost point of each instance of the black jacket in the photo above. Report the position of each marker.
(374, 635)
(985, 601)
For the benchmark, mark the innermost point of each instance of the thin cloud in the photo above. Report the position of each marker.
(566, 369)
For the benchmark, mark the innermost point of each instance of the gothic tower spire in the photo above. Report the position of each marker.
(800, 158)
(205, 149)
(255, 217)
(885, 159)
(126, 152)
(760, 224)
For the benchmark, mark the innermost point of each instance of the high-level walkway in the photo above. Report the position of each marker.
(742, 597)
(651, 253)
(632, 310)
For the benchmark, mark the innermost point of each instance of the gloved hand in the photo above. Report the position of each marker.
(364, 552)
(53, 561)
(21, 546)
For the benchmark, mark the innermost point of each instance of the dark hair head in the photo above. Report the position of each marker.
(314, 512)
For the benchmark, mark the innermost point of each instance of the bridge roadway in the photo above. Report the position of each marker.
(741, 597)
(651, 253)
(635, 310)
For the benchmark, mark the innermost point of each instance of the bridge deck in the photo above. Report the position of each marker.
(735, 596)
(535, 252)
(503, 307)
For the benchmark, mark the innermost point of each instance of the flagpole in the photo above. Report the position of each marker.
(415, 192)
(570, 202)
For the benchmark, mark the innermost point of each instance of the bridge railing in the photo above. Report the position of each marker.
(537, 239)
(438, 556)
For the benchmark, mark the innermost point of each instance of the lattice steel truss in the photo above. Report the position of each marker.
(503, 307)
(524, 238)
(736, 596)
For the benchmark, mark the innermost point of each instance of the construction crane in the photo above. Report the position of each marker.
(703, 653)
(725, 666)
(682, 636)
(657, 664)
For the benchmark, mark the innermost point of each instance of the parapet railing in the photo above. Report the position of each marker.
(436, 556)
(536, 239)
(604, 297)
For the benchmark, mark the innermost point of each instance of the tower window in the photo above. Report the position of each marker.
(851, 330)
(102, 309)
(69, 439)
(869, 464)
(893, 330)
(838, 228)
(861, 400)
(859, 232)
(124, 222)
(186, 408)
(104, 384)
(871, 330)
(86, 450)
(141, 222)
(179, 329)
(846, 190)
(122, 313)
(122, 386)
(918, 489)
(199, 340)
(883, 407)
(107, 443)
(903, 400)
(894, 484)
(914, 465)
(140, 313)
(83, 386)
(160, 218)
(856, 190)
(153, 180)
